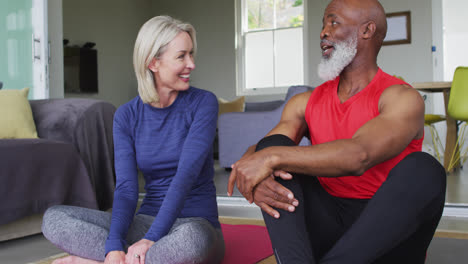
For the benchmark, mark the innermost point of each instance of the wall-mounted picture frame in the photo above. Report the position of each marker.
(398, 28)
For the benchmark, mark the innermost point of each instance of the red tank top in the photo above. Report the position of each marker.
(328, 119)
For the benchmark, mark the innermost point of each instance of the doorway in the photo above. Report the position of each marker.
(450, 38)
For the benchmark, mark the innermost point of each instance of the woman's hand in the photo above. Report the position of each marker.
(137, 252)
(115, 257)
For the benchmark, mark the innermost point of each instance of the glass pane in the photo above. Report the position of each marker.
(259, 59)
(289, 13)
(15, 45)
(260, 14)
(289, 62)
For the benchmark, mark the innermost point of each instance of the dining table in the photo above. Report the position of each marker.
(452, 133)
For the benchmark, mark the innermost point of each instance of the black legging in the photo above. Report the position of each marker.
(395, 226)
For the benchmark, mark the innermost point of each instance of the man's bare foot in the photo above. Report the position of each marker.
(75, 260)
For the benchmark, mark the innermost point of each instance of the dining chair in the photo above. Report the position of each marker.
(429, 121)
(458, 110)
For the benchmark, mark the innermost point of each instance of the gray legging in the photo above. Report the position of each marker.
(83, 232)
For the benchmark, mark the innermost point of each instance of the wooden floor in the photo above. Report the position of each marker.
(241, 221)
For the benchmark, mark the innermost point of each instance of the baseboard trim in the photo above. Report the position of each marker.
(239, 207)
(456, 210)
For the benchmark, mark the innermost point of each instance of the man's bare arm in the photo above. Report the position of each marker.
(401, 120)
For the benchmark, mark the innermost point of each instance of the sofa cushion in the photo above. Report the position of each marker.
(236, 105)
(238, 131)
(262, 106)
(16, 119)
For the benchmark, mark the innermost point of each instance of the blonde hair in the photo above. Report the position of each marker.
(151, 42)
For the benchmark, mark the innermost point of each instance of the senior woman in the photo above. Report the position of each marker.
(167, 133)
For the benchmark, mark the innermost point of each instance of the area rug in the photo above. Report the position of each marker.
(245, 243)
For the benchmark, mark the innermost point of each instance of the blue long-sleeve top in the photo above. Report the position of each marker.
(173, 148)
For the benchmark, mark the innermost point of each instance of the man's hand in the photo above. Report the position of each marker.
(115, 257)
(270, 194)
(232, 176)
(137, 252)
(249, 171)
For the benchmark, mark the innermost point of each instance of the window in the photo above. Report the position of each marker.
(270, 54)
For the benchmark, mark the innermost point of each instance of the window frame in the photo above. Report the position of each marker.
(240, 25)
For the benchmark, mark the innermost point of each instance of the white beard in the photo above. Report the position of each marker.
(329, 68)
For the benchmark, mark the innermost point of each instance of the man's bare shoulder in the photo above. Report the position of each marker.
(298, 102)
(401, 94)
(399, 88)
(301, 97)
(296, 106)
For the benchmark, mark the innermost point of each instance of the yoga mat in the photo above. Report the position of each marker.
(246, 244)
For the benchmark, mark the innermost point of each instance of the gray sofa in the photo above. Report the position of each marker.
(70, 163)
(239, 130)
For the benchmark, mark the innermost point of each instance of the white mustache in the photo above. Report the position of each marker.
(327, 42)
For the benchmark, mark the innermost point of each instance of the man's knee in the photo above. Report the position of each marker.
(421, 170)
(425, 165)
(274, 140)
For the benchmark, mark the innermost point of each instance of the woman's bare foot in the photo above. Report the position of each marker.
(75, 260)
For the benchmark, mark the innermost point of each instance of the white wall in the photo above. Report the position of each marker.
(56, 49)
(214, 22)
(455, 36)
(412, 61)
(113, 26)
(437, 41)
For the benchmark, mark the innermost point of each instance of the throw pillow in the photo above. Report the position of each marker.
(236, 105)
(16, 119)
